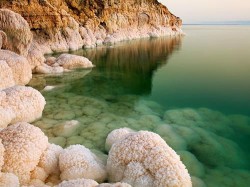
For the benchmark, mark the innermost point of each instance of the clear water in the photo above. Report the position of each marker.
(193, 91)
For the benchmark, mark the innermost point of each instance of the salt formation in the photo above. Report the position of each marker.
(66, 129)
(70, 25)
(6, 75)
(63, 63)
(195, 134)
(115, 136)
(50, 158)
(20, 103)
(19, 67)
(9, 179)
(45, 69)
(144, 159)
(19, 36)
(78, 182)
(68, 61)
(118, 184)
(78, 162)
(3, 39)
(24, 145)
(194, 166)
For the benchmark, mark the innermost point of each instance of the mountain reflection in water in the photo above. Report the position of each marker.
(127, 67)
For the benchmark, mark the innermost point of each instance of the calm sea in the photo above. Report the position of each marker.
(194, 91)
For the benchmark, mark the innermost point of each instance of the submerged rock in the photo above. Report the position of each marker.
(67, 129)
(61, 141)
(193, 165)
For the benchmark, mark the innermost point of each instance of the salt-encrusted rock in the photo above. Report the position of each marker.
(68, 61)
(78, 183)
(79, 162)
(61, 141)
(185, 117)
(35, 58)
(24, 145)
(19, 36)
(3, 39)
(1, 155)
(21, 104)
(49, 159)
(58, 26)
(171, 137)
(48, 164)
(144, 159)
(19, 65)
(50, 61)
(118, 184)
(6, 75)
(197, 182)
(6, 115)
(116, 135)
(9, 180)
(45, 69)
(193, 165)
(67, 129)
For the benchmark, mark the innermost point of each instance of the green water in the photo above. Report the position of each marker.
(193, 91)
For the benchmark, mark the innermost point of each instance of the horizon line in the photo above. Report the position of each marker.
(245, 22)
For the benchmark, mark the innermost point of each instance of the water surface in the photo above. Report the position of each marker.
(193, 91)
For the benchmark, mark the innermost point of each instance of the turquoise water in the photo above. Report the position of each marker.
(194, 91)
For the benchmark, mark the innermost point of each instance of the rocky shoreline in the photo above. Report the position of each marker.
(30, 29)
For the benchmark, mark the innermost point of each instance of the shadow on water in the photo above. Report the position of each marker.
(128, 67)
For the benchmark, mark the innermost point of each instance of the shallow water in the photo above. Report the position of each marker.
(193, 91)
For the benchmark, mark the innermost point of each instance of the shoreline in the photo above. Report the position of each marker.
(24, 149)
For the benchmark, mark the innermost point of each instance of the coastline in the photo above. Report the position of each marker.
(24, 149)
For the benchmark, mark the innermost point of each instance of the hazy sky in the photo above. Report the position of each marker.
(192, 11)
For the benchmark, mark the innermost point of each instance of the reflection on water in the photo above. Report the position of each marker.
(129, 67)
(86, 105)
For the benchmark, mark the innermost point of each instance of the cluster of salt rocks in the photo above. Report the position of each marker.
(19, 57)
(135, 158)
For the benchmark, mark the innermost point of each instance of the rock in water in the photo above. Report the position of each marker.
(68, 61)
